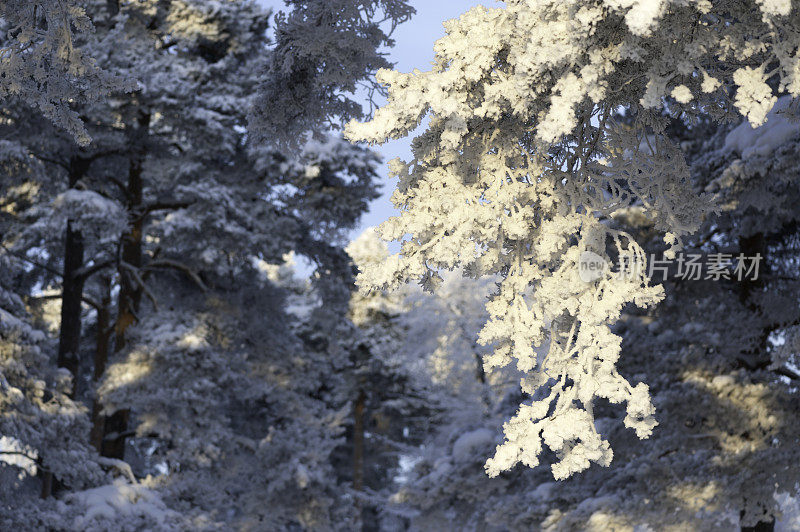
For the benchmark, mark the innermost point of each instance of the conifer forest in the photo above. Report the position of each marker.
(265, 268)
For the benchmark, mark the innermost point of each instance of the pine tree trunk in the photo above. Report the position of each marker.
(761, 526)
(358, 441)
(71, 295)
(130, 293)
(47, 484)
(69, 333)
(113, 7)
(756, 357)
(480, 374)
(72, 286)
(358, 452)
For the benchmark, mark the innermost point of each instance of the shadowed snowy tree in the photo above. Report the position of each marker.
(160, 227)
(324, 50)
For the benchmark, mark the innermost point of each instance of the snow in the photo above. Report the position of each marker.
(775, 7)
(754, 98)
(8, 449)
(406, 465)
(312, 171)
(642, 14)
(763, 140)
(790, 508)
(89, 212)
(119, 501)
(682, 94)
(10, 322)
(87, 200)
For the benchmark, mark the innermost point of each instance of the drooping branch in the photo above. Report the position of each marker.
(87, 271)
(164, 205)
(134, 272)
(176, 265)
(85, 299)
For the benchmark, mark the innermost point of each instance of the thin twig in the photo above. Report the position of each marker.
(29, 260)
(84, 272)
(86, 299)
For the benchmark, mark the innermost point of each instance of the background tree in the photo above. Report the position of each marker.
(323, 52)
(172, 210)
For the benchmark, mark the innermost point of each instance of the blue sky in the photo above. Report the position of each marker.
(413, 49)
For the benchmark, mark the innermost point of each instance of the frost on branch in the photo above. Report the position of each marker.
(43, 63)
(524, 161)
(323, 50)
(572, 319)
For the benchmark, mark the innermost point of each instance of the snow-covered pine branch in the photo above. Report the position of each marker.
(522, 162)
(324, 50)
(43, 62)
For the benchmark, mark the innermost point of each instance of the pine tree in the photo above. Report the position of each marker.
(547, 121)
(43, 429)
(172, 210)
(324, 50)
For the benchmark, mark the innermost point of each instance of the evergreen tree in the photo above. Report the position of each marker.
(545, 124)
(143, 236)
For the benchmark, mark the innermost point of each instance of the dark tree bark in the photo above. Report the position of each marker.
(358, 451)
(69, 334)
(358, 441)
(47, 484)
(758, 357)
(131, 290)
(71, 296)
(72, 285)
(755, 356)
(761, 526)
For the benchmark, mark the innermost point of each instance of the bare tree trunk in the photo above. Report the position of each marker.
(761, 526)
(72, 285)
(71, 295)
(47, 484)
(757, 357)
(358, 451)
(113, 7)
(480, 374)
